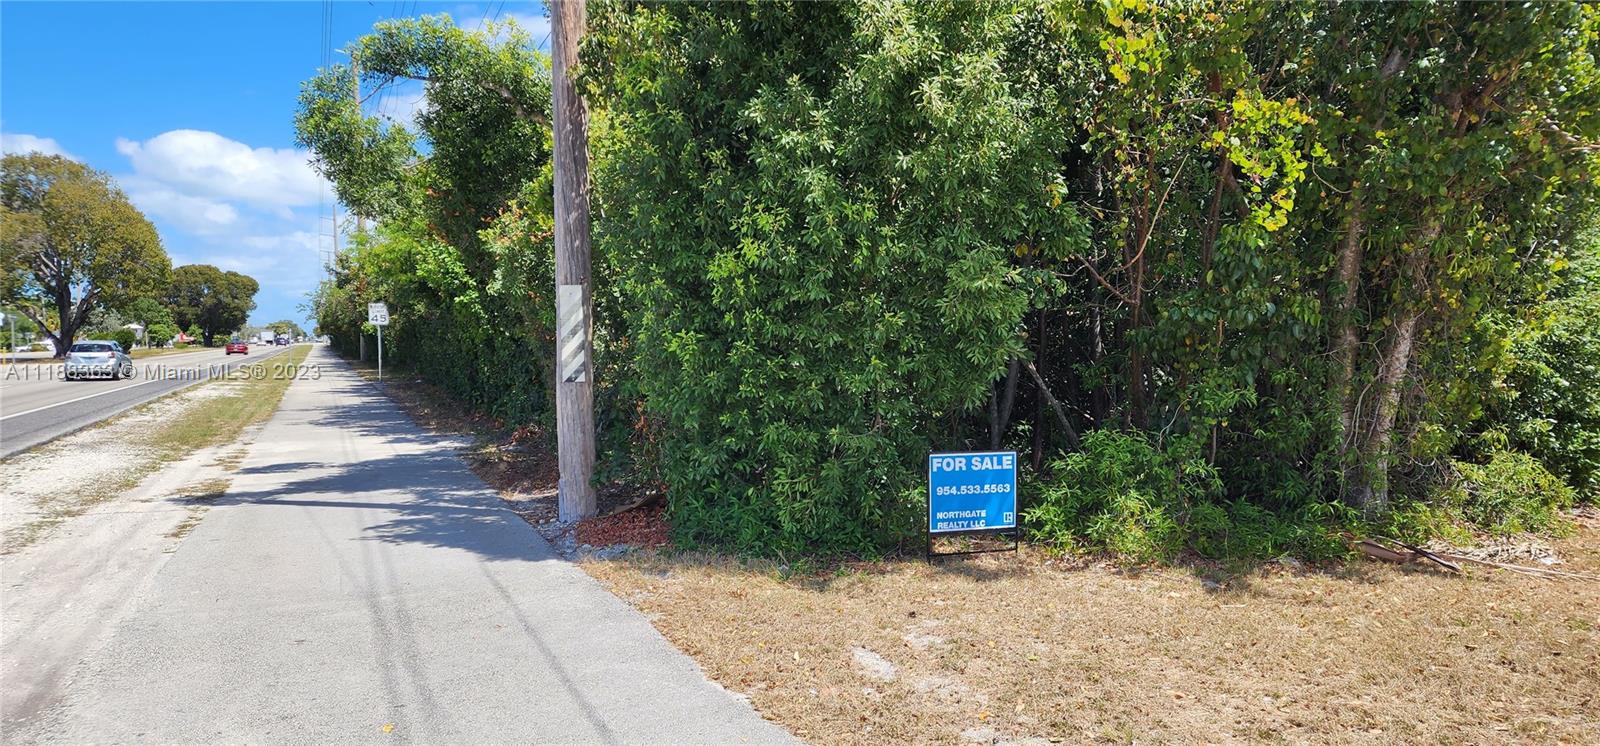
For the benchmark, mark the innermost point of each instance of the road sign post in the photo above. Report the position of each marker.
(378, 316)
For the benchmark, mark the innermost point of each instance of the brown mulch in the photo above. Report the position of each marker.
(644, 526)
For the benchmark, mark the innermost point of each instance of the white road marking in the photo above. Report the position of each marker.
(81, 398)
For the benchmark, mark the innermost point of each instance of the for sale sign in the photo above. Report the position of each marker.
(972, 491)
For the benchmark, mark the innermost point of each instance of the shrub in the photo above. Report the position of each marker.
(1510, 494)
(821, 267)
(1239, 529)
(1554, 413)
(161, 333)
(125, 337)
(1124, 495)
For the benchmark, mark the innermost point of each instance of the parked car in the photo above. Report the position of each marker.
(236, 345)
(98, 358)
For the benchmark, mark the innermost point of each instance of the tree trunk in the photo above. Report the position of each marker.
(1346, 339)
(67, 329)
(1219, 120)
(1038, 400)
(1055, 404)
(1372, 492)
(1003, 414)
(1101, 400)
(994, 418)
(1137, 397)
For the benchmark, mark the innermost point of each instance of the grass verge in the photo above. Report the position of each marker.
(251, 400)
(106, 460)
(144, 352)
(1027, 650)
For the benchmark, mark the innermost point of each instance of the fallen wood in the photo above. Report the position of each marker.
(1381, 549)
(1380, 552)
(1425, 554)
(1544, 572)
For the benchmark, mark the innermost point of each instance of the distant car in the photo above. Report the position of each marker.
(236, 345)
(98, 358)
(283, 339)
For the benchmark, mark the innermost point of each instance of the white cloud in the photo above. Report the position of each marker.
(191, 213)
(209, 166)
(17, 142)
(289, 261)
(401, 102)
(304, 242)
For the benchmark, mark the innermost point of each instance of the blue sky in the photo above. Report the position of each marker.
(190, 107)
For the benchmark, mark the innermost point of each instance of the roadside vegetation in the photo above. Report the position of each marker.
(1236, 280)
(78, 261)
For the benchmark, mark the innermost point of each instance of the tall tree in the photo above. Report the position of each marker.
(286, 326)
(71, 242)
(462, 251)
(216, 301)
(1464, 139)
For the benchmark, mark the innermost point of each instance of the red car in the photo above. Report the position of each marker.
(236, 346)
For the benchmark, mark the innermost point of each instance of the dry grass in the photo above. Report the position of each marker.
(207, 491)
(251, 401)
(1006, 649)
(147, 352)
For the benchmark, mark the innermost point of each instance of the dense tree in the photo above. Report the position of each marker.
(1263, 271)
(215, 301)
(157, 320)
(819, 209)
(160, 333)
(287, 327)
(71, 242)
(462, 250)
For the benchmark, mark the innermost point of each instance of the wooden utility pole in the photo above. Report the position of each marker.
(574, 349)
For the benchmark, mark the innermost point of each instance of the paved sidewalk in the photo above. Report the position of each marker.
(359, 584)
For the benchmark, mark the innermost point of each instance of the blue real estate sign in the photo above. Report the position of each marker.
(972, 491)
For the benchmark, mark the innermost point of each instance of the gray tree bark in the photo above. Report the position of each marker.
(1372, 494)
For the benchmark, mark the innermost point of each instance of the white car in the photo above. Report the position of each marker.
(98, 358)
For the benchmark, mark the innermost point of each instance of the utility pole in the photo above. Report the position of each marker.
(574, 347)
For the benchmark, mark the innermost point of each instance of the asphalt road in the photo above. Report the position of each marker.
(38, 405)
(356, 583)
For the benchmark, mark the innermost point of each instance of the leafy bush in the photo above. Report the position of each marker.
(820, 272)
(1125, 495)
(160, 334)
(1554, 413)
(1510, 494)
(124, 337)
(1239, 529)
